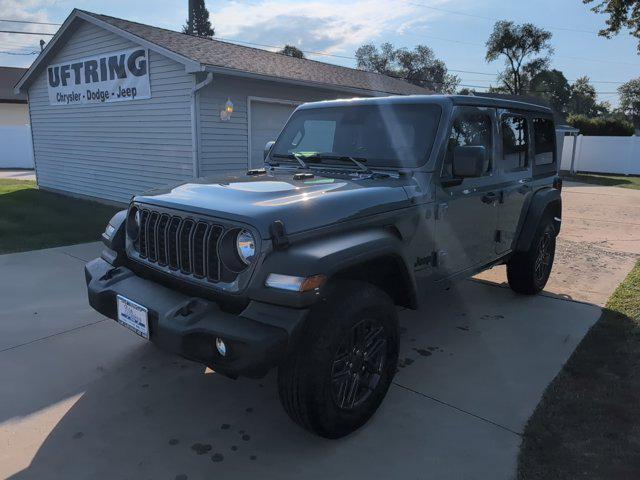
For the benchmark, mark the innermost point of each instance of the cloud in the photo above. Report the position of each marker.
(33, 10)
(336, 27)
(330, 26)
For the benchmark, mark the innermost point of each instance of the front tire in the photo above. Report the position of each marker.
(528, 272)
(343, 364)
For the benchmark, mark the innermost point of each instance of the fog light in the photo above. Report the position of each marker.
(221, 347)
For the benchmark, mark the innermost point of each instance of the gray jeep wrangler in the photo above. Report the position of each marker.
(362, 205)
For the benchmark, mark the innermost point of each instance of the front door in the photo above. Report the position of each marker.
(467, 208)
(514, 168)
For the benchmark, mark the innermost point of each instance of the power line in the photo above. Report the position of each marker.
(596, 60)
(28, 21)
(345, 57)
(439, 39)
(18, 53)
(26, 33)
(309, 52)
(18, 44)
(493, 19)
(281, 47)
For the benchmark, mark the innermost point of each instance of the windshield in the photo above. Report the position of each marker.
(387, 135)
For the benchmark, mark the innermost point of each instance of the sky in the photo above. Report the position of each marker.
(455, 30)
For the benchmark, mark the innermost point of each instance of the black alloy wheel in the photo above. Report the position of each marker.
(544, 256)
(358, 364)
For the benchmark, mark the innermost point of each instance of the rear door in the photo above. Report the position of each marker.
(267, 120)
(467, 208)
(514, 171)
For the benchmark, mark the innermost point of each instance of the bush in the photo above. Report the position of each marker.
(602, 127)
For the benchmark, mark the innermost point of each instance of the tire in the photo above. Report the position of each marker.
(528, 272)
(315, 382)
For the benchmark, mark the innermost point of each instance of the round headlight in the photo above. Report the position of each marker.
(246, 246)
(133, 225)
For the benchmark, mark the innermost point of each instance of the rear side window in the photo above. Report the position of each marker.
(544, 140)
(515, 142)
(469, 129)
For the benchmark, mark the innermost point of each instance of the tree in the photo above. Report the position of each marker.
(418, 66)
(630, 100)
(291, 51)
(524, 48)
(622, 14)
(609, 127)
(201, 26)
(583, 98)
(552, 86)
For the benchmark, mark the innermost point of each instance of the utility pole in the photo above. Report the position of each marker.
(190, 18)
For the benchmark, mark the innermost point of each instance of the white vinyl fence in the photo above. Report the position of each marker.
(16, 149)
(602, 154)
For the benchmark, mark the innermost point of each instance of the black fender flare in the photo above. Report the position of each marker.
(329, 255)
(540, 202)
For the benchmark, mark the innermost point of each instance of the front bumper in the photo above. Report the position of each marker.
(257, 338)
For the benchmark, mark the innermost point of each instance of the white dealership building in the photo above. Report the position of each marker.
(118, 107)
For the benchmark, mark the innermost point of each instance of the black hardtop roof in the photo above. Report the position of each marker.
(432, 99)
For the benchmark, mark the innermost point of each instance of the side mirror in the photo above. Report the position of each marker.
(267, 148)
(469, 161)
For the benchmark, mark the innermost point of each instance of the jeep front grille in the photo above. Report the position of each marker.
(182, 244)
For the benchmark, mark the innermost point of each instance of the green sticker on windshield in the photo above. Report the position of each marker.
(305, 154)
(320, 180)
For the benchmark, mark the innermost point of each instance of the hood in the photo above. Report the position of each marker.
(300, 204)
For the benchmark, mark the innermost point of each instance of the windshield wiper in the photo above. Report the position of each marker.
(293, 156)
(325, 156)
(356, 161)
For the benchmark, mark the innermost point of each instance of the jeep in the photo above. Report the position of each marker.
(301, 265)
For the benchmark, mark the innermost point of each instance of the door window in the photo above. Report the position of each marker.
(544, 141)
(469, 129)
(515, 142)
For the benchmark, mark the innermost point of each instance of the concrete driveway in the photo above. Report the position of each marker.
(598, 246)
(81, 397)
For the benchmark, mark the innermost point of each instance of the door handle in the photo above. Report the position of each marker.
(489, 197)
(525, 180)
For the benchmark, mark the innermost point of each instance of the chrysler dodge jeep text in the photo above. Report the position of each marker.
(361, 205)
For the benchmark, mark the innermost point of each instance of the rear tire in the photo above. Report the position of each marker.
(342, 366)
(528, 272)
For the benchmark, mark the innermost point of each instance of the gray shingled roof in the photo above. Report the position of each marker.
(226, 55)
(9, 76)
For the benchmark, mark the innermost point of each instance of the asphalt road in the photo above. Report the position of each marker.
(82, 397)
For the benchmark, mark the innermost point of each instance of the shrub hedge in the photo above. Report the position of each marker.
(609, 127)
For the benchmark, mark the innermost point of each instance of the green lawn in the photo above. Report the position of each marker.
(624, 181)
(587, 424)
(31, 218)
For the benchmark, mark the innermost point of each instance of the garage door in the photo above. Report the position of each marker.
(267, 119)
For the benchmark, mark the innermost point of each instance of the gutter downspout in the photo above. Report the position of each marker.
(195, 141)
